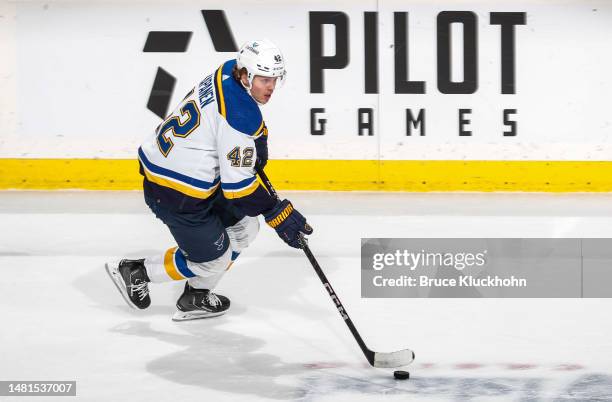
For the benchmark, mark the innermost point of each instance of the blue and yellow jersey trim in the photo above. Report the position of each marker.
(175, 264)
(241, 189)
(261, 130)
(235, 104)
(177, 181)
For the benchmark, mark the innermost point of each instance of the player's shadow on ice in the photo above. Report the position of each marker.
(216, 359)
(229, 362)
(226, 361)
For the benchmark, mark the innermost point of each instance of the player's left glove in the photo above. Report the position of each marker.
(288, 223)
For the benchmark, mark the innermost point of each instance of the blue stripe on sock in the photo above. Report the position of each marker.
(181, 264)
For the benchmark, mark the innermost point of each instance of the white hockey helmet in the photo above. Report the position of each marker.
(264, 58)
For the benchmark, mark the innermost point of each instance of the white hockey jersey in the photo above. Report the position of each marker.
(208, 142)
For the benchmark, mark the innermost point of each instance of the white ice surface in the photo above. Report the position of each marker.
(62, 318)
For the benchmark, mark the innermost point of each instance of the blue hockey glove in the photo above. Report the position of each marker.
(288, 223)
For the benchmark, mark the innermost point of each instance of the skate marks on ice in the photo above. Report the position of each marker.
(435, 382)
(221, 360)
(225, 361)
(215, 359)
(230, 362)
(334, 386)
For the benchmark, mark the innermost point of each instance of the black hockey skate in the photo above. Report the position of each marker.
(199, 303)
(130, 277)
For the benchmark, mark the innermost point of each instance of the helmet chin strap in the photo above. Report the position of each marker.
(248, 89)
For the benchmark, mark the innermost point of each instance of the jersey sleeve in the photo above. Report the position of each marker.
(237, 157)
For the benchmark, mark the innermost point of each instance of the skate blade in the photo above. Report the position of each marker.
(194, 315)
(113, 273)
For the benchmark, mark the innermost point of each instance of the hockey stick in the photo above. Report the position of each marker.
(376, 359)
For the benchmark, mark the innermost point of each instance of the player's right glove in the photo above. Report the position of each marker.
(288, 223)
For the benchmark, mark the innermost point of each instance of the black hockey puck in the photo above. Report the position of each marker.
(401, 375)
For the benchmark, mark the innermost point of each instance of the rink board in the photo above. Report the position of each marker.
(339, 175)
(452, 96)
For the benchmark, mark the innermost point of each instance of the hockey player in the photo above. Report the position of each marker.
(199, 180)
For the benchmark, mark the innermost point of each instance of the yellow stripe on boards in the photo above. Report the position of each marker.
(424, 176)
(55, 174)
(335, 175)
